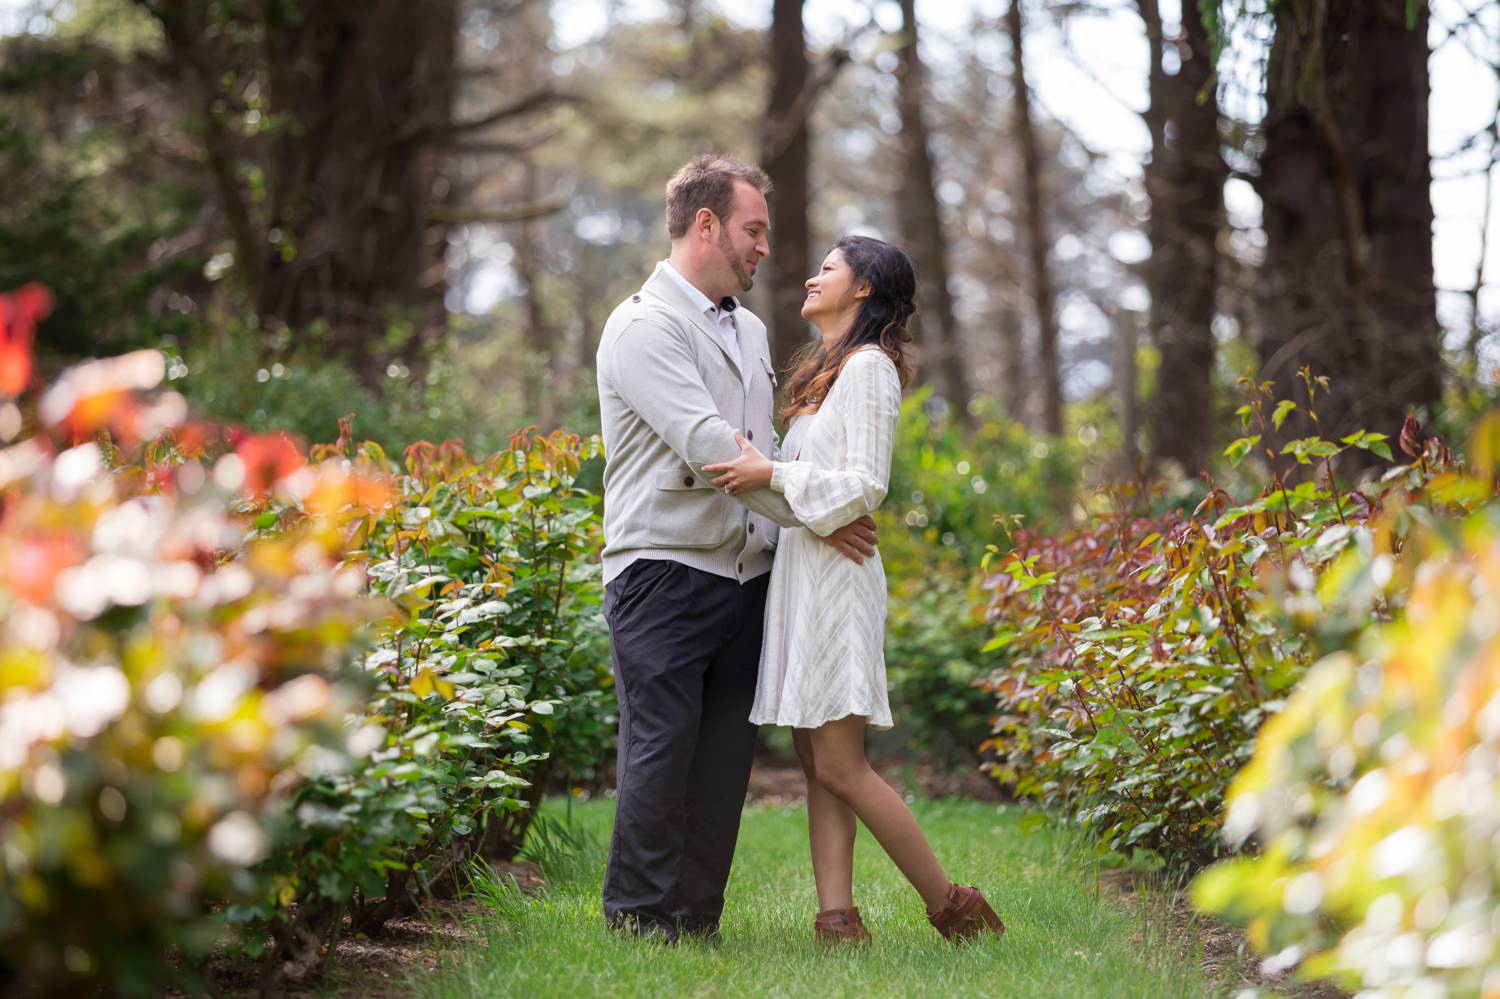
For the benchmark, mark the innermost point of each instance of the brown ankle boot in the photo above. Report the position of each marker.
(966, 915)
(840, 926)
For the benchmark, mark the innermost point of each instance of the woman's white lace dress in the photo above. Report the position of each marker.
(823, 657)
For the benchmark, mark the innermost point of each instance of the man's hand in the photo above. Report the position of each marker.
(856, 541)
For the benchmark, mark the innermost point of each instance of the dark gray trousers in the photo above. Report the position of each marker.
(686, 648)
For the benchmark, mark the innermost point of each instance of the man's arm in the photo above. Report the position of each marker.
(670, 396)
(855, 541)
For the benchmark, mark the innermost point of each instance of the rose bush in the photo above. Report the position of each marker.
(489, 678)
(1144, 655)
(164, 681)
(297, 693)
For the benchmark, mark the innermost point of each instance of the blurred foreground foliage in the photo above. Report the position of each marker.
(1373, 798)
(238, 685)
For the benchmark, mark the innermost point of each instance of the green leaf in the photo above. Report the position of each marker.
(1241, 447)
(1000, 641)
(1283, 408)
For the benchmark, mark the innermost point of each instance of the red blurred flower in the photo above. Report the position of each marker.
(31, 564)
(268, 459)
(192, 438)
(20, 311)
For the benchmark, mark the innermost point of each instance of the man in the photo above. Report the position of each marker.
(682, 366)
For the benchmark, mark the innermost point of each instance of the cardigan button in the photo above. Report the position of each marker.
(688, 481)
(741, 567)
(749, 435)
(752, 528)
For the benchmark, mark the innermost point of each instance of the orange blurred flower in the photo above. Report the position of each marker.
(337, 489)
(110, 393)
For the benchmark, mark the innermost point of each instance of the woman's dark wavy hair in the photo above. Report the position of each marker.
(881, 321)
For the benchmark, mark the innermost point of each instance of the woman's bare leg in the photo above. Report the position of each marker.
(838, 755)
(830, 833)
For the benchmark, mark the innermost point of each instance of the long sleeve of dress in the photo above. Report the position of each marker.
(866, 400)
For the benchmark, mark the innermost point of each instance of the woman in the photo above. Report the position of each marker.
(822, 667)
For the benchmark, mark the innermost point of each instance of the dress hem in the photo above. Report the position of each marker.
(881, 726)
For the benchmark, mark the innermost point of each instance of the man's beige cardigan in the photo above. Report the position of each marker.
(670, 399)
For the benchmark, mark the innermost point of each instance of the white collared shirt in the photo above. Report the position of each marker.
(721, 319)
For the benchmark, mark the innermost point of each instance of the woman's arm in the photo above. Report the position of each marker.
(869, 406)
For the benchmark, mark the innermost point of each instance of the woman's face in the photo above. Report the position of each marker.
(833, 292)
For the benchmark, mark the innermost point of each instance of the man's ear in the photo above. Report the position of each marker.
(704, 222)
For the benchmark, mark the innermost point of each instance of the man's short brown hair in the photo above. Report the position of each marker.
(707, 181)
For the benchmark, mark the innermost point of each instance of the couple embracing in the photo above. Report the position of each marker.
(743, 586)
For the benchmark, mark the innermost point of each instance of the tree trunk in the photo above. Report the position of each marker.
(1127, 375)
(922, 229)
(784, 156)
(1186, 186)
(538, 369)
(1013, 362)
(356, 94)
(1345, 180)
(1043, 299)
(585, 303)
(1477, 329)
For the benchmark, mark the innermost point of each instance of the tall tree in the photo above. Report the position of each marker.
(539, 336)
(1033, 208)
(1345, 180)
(1185, 182)
(327, 199)
(922, 225)
(784, 156)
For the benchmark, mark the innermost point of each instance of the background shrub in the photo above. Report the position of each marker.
(1143, 657)
(241, 375)
(490, 655)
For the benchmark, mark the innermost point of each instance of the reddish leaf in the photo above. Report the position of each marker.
(1411, 436)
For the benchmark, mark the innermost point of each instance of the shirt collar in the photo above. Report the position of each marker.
(702, 301)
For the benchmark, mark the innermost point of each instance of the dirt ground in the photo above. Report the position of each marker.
(370, 967)
(1227, 958)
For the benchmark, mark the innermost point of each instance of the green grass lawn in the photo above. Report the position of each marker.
(1062, 938)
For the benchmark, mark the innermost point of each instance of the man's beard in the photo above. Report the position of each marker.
(735, 264)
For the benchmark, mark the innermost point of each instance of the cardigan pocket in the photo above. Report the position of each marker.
(765, 362)
(685, 513)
